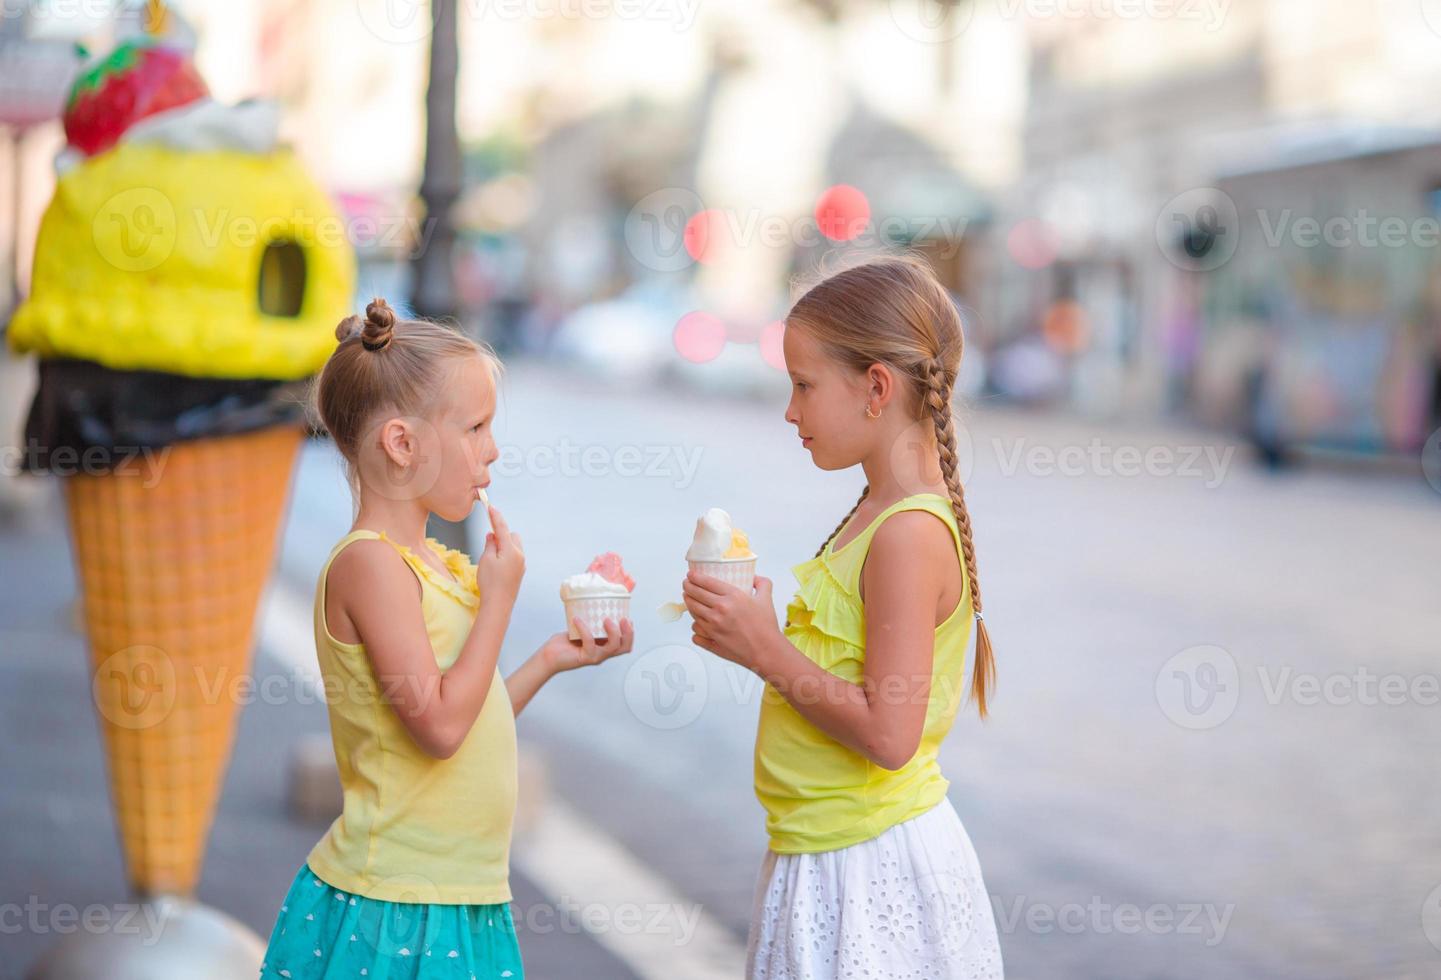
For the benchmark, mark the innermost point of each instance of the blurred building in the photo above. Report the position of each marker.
(1310, 110)
(1064, 164)
(1323, 328)
(770, 105)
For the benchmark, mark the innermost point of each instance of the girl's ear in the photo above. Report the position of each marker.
(398, 442)
(882, 384)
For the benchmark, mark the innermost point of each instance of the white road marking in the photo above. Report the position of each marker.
(628, 908)
(287, 631)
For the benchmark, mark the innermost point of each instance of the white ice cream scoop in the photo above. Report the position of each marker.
(590, 585)
(712, 536)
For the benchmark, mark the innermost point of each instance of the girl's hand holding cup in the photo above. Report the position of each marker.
(561, 653)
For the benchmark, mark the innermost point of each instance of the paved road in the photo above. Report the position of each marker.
(1279, 838)
(1137, 814)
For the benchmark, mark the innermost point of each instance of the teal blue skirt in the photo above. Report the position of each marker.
(323, 933)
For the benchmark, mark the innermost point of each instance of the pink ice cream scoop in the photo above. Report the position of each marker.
(600, 592)
(608, 566)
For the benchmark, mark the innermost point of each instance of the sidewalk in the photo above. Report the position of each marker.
(60, 847)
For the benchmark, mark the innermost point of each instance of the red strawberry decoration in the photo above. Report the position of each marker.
(138, 79)
(608, 567)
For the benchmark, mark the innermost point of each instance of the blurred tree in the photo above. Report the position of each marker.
(433, 282)
(432, 269)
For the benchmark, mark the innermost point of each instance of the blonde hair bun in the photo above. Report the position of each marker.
(379, 326)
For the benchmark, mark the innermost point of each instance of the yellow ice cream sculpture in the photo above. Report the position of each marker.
(151, 257)
(188, 274)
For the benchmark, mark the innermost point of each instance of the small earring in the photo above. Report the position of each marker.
(868, 412)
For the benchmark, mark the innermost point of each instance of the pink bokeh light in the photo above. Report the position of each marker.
(700, 336)
(1032, 244)
(772, 344)
(702, 234)
(842, 212)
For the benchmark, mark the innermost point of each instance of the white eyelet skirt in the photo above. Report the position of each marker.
(910, 904)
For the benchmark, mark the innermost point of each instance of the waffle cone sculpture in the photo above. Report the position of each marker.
(172, 570)
(171, 357)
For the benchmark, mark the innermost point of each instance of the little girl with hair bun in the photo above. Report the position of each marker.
(412, 880)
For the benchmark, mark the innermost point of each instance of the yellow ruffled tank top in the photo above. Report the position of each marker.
(818, 794)
(415, 828)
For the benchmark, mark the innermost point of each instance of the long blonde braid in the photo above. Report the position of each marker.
(864, 491)
(939, 385)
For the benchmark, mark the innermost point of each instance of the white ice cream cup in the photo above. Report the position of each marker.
(593, 611)
(737, 571)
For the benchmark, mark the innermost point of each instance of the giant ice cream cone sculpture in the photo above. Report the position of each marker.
(172, 574)
(183, 284)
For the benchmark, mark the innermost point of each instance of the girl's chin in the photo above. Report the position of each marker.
(827, 462)
(458, 513)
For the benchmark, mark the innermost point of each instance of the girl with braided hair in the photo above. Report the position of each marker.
(869, 872)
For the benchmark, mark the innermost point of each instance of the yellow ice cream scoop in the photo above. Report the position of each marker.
(740, 545)
(215, 263)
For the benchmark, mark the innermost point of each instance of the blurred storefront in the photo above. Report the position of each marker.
(1323, 329)
(1112, 131)
(1136, 130)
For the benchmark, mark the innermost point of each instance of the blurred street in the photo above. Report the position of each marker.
(1307, 828)
(1120, 820)
(1195, 252)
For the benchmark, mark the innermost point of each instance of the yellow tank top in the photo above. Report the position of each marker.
(818, 794)
(415, 828)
